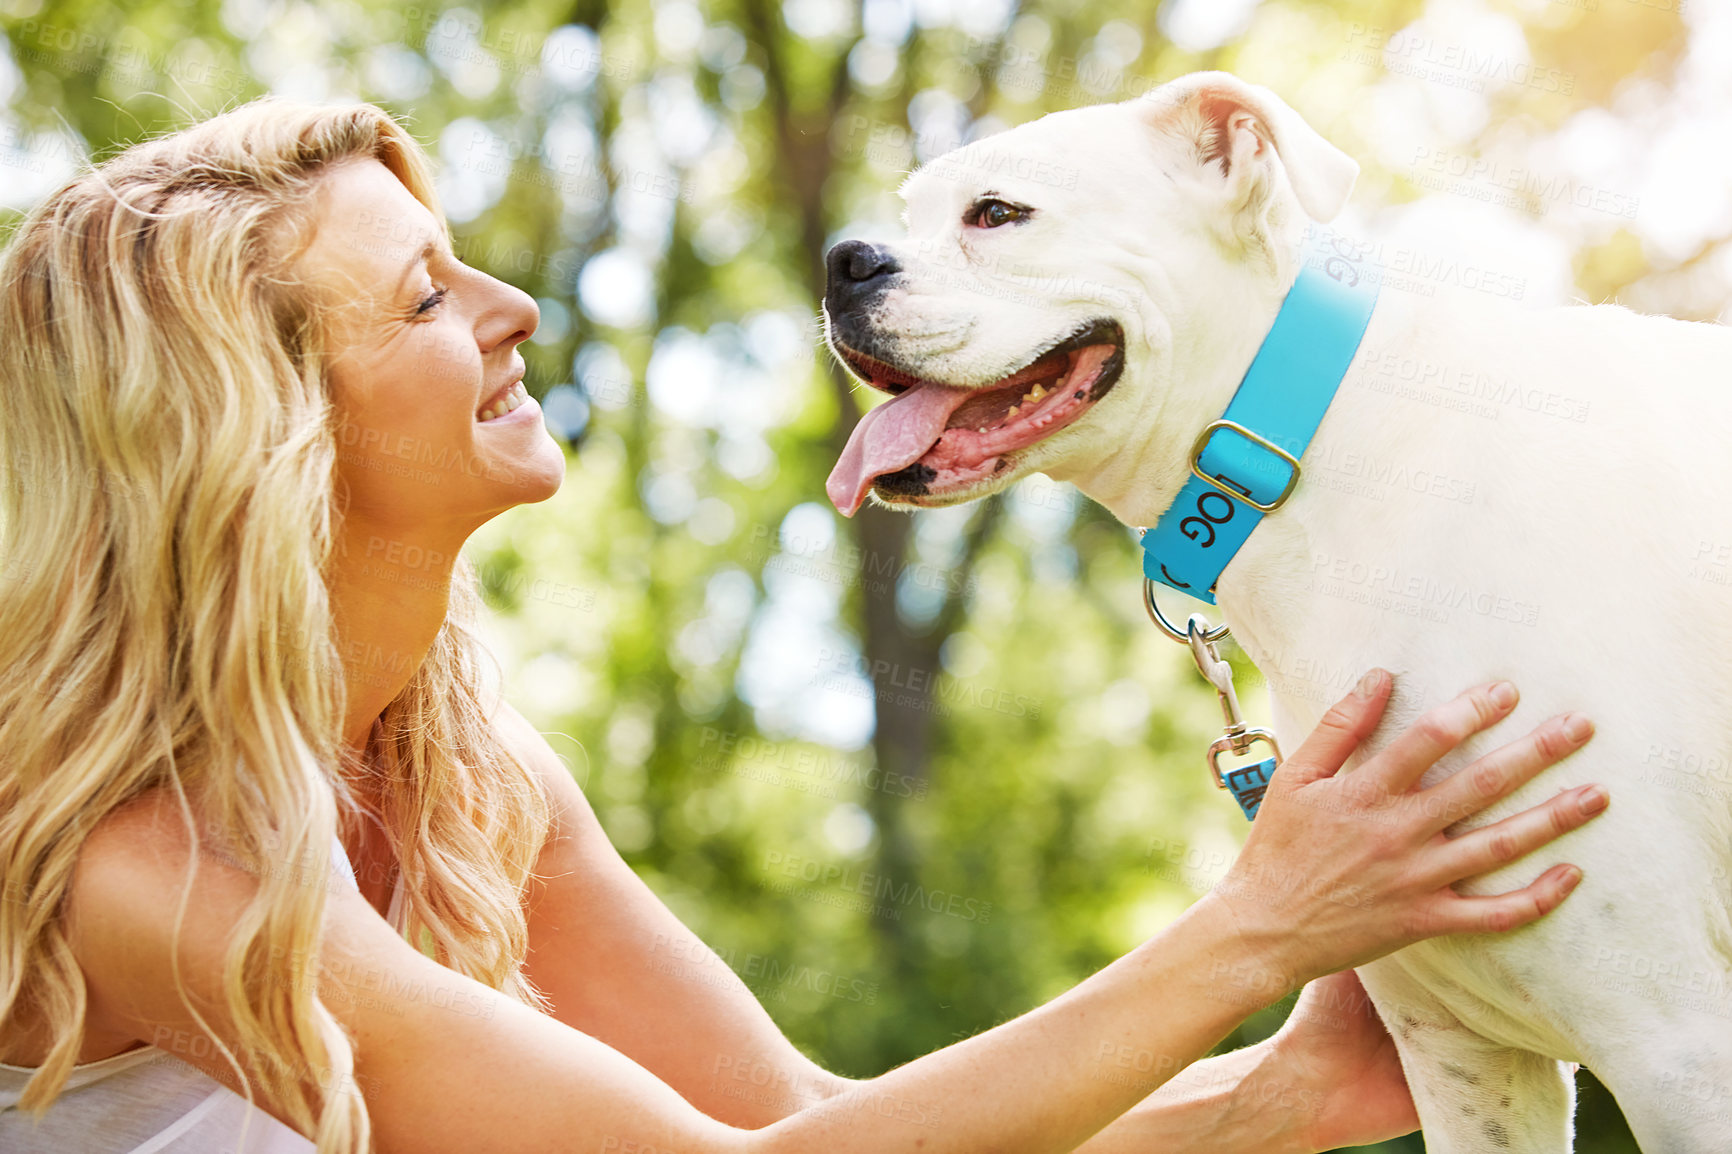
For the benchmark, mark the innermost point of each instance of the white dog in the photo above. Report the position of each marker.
(1543, 495)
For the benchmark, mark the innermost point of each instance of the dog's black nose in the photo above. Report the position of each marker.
(856, 270)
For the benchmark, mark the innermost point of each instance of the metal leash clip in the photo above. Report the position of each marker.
(1247, 783)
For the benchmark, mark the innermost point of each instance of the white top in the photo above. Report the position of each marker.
(147, 1100)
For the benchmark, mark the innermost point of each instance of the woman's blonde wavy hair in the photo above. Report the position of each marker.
(167, 517)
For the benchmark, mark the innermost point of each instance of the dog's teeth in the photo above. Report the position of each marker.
(1014, 409)
(1037, 392)
(982, 429)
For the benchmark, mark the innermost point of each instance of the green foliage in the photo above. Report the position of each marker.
(1029, 798)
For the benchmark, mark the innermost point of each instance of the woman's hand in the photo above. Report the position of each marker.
(1334, 1045)
(1335, 1049)
(1330, 1077)
(1339, 870)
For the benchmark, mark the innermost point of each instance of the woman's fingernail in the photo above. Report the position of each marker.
(1503, 694)
(1577, 727)
(1595, 798)
(1572, 878)
(1371, 684)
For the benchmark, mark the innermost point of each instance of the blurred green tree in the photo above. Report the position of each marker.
(910, 775)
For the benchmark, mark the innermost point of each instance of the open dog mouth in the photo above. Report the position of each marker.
(934, 439)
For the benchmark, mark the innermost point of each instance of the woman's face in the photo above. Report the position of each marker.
(424, 347)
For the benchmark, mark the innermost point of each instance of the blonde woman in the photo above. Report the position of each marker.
(266, 840)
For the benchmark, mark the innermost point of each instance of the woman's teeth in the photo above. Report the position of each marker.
(515, 397)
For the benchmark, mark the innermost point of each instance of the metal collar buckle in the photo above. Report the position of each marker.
(1232, 489)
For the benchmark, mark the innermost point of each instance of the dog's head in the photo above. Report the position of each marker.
(1049, 294)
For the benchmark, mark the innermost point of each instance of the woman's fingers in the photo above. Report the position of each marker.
(1438, 731)
(1374, 838)
(1495, 913)
(1502, 842)
(1504, 770)
(1339, 733)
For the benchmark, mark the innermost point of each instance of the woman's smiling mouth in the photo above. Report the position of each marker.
(506, 400)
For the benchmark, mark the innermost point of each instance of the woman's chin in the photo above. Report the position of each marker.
(525, 457)
(540, 477)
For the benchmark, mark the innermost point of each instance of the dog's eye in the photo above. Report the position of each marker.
(993, 213)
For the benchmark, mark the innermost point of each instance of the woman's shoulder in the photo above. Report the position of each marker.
(122, 904)
(572, 817)
(154, 901)
(152, 914)
(118, 912)
(122, 901)
(520, 737)
(154, 819)
(137, 842)
(141, 846)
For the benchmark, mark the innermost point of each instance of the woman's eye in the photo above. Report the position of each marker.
(432, 302)
(995, 213)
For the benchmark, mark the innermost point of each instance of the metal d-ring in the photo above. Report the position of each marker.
(1183, 636)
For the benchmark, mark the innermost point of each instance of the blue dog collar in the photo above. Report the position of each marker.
(1246, 463)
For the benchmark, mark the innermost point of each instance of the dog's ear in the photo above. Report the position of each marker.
(1250, 133)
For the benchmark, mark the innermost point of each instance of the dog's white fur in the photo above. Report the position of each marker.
(1581, 564)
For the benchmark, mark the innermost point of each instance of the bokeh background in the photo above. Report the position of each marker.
(964, 713)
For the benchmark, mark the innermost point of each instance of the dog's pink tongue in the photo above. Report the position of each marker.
(890, 437)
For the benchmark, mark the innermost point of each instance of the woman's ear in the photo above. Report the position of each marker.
(1255, 140)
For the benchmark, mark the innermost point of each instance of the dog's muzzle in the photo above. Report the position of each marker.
(856, 274)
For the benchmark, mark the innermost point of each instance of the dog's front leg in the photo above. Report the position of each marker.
(1473, 1094)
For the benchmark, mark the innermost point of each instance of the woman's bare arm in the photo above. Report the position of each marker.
(620, 966)
(445, 1063)
(448, 1064)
